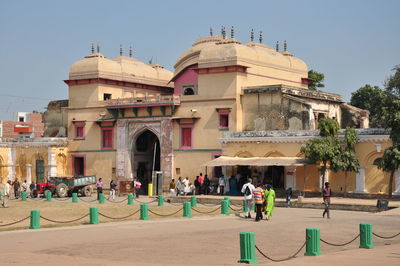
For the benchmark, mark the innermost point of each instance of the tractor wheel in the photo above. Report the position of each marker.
(87, 191)
(62, 190)
(45, 192)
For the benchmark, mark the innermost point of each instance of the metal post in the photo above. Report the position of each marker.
(312, 242)
(23, 195)
(160, 200)
(187, 209)
(144, 211)
(48, 196)
(244, 206)
(366, 238)
(193, 201)
(130, 199)
(74, 197)
(35, 219)
(101, 198)
(94, 215)
(225, 207)
(247, 248)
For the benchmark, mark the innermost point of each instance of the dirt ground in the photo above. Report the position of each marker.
(66, 210)
(203, 240)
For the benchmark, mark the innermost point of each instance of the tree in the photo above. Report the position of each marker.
(390, 163)
(370, 98)
(317, 79)
(326, 148)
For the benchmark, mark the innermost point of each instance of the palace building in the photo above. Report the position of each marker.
(231, 108)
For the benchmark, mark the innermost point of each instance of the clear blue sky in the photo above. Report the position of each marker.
(351, 42)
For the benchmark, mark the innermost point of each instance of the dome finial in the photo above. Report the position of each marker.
(232, 32)
(120, 50)
(223, 32)
(261, 37)
(285, 46)
(277, 46)
(98, 48)
(211, 31)
(130, 51)
(92, 48)
(252, 35)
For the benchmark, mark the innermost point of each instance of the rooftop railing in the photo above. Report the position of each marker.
(147, 99)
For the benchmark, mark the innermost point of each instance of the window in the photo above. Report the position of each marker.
(178, 171)
(106, 138)
(106, 96)
(223, 121)
(79, 131)
(21, 119)
(188, 91)
(186, 137)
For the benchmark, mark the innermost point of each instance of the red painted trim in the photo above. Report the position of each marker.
(265, 76)
(83, 130)
(77, 82)
(102, 140)
(181, 136)
(73, 156)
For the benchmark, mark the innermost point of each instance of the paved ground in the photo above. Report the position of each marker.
(206, 240)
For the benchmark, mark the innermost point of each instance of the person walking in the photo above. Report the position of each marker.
(247, 191)
(172, 188)
(269, 196)
(113, 188)
(99, 187)
(138, 185)
(24, 186)
(179, 186)
(16, 186)
(326, 196)
(197, 185)
(289, 194)
(185, 186)
(6, 194)
(206, 185)
(221, 183)
(32, 188)
(258, 194)
(201, 184)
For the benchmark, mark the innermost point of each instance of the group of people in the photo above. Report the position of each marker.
(16, 187)
(264, 199)
(136, 186)
(184, 187)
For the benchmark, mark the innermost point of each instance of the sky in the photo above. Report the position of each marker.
(352, 42)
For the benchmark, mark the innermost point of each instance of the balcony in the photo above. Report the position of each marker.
(144, 101)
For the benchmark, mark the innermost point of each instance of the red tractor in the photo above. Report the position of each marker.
(65, 186)
(43, 188)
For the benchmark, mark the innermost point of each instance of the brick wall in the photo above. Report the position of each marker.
(35, 121)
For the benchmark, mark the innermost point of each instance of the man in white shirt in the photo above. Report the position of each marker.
(6, 194)
(247, 191)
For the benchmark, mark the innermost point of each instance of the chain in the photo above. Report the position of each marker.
(146, 202)
(64, 222)
(15, 222)
(87, 200)
(164, 215)
(279, 260)
(386, 237)
(119, 218)
(210, 205)
(58, 199)
(112, 201)
(339, 245)
(37, 199)
(206, 212)
(235, 210)
(174, 204)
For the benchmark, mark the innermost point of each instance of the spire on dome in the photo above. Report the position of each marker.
(252, 35)
(277, 46)
(211, 31)
(261, 37)
(92, 48)
(232, 32)
(98, 48)
(130, 51)
(120, 50)
(285, 46)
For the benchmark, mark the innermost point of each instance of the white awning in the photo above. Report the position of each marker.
(257, 161)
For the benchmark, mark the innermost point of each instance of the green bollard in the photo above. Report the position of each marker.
(225, 207)
(101, 198)
(160, 200)
(187, 209)
(74, 197)
(48, 196)
(94, 215)
(366, 239)
(23, 195)
(247, 248)
(244, 206)
(229, 200)
(252, 206)
(130, 199)
(35, 219)
(144, 211)
(193, 201)
(312, 242)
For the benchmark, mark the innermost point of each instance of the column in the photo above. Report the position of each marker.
(28, 174)
(123, 166)
(11, 163)
(360, 181)
(396, 190)
(52, 163)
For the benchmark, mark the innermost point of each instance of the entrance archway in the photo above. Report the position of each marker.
(146, 157)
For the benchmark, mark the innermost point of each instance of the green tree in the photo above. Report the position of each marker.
(390, 163)
(317, 80)
(326, 148)
(370, 98)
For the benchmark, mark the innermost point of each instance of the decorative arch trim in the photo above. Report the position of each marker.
(274, 154)
(244, 154)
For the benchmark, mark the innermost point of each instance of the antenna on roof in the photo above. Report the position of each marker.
(252, 35)
(211, 31)
(277, 46)
(232, 32)
(130, 51)
(261, 37)
(98, 48)
(92, 48)
(285, 46)
(120, 50)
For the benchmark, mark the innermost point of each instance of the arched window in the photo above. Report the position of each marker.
(188, 91)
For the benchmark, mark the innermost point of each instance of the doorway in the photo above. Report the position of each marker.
(275, 175)
(39, 171)
(79, 165)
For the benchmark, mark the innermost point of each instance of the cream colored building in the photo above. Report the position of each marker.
(127, 118)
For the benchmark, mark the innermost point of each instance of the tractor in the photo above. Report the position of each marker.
(65, 186)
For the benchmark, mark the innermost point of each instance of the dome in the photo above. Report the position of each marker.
(121, 68)
(215, 52)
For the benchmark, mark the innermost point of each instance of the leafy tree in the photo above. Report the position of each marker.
(317, 79)
(390, 163)
(370, 98)
(325, 149)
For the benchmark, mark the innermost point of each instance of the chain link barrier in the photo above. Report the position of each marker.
(386, 237)
(165, 215)
(340, 245)
(112, 201)
(279, 260)
(235, 210)
(64, 222)
(119, 218)
(59, 199)
(170, 202)
(206, 212)
(19, 221)
(87, 201)
(208, 204)
(154, 200)
(37, 199)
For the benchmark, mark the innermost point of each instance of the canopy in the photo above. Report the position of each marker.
(257, 161)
